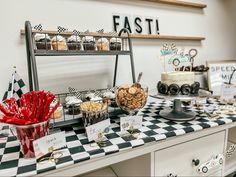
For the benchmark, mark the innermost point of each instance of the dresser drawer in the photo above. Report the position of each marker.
(177, 160)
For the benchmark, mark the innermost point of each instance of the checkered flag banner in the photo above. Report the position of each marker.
(16, 88)
(74, 92)
(101, 31)
(38, 27)
(113, 33)
(76, 33)
(61, 29)
(98, 93)
(86, 32)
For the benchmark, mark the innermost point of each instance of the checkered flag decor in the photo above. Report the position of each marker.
(86, 32)
(16, 87)
(113, 33)
(74, 92)
(38, 27)
(76, 33)
(101, 31)
(97, 93)
(61, 29)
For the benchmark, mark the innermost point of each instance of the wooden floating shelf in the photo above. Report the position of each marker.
(180, 3)
(133, 36)
(167, 37)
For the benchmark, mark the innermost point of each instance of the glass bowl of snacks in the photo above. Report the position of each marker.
(131, 98)
(93, 112)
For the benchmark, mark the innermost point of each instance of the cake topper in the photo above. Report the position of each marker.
(75, 92)
(101, 31)
(61, 29)
(168, 50)
(86, 32)
(38, 27)
(177, 57)
(76, 33)
(113, 33)
(192, 54)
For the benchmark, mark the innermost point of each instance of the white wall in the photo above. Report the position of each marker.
(216, 23)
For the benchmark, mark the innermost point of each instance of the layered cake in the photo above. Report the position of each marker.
(174, 83)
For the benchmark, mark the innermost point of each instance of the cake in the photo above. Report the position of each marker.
(43, 41)
(103, 44)
(74, 42)
(59, 43)
(174, 83)
(115, 43)
(89, 43)
(73, 105)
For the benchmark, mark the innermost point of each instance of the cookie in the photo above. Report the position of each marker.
(185, 89)
(195, 88)
(162, 88)
(174, 89)
(131, 98)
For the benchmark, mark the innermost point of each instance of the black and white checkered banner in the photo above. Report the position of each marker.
(38, 27)
(75, 92)
(113, 33)
(61, 29)
(101, 31)
(86, 32)
(76, 33)
(16, 87)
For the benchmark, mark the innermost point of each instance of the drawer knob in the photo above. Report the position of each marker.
(171, 175)
(196, 162)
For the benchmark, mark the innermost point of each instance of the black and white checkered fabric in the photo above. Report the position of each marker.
(79, 149)
(16, 87)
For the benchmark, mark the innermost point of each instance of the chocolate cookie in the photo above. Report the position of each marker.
(174, 89)
(195, 88)
(185, 89)
(162, 88)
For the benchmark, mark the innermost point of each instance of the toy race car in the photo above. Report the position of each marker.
(214, 162)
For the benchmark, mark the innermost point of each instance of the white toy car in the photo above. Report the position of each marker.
(214, 162)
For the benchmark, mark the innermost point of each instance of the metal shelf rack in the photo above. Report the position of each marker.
(33, 53)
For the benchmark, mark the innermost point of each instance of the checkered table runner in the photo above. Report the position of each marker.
(79, 149)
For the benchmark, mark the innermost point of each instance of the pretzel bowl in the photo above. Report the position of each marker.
(93, 112)
(131, 98)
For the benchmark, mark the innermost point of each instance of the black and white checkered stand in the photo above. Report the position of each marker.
(79, 149)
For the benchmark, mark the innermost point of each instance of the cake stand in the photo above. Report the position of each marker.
(177, 113)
